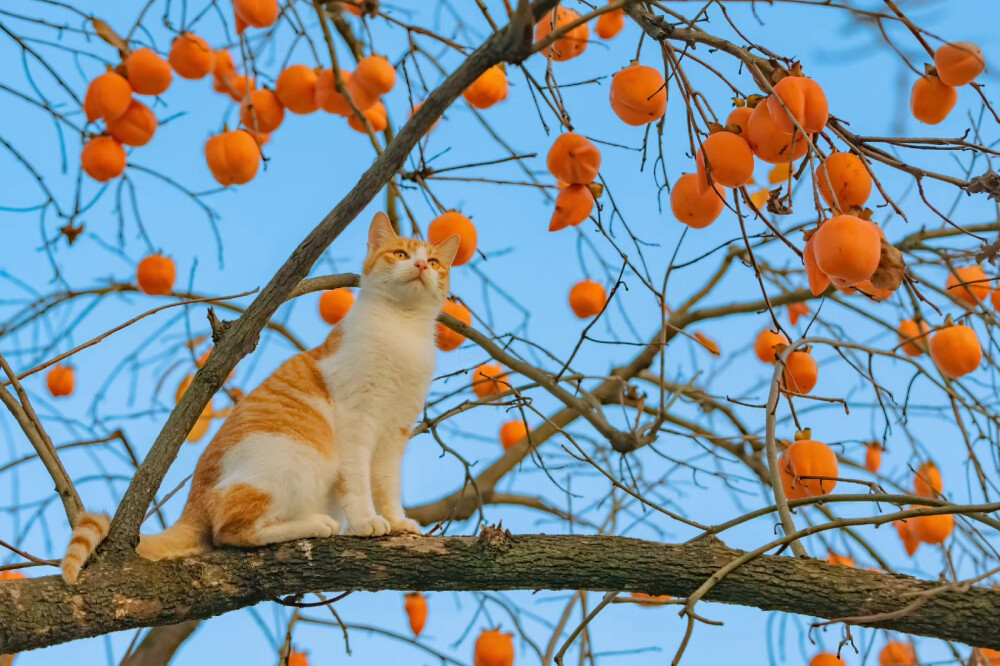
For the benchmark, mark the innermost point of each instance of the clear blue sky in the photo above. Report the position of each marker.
(314, 160)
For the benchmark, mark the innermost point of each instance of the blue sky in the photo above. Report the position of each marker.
(314, 160)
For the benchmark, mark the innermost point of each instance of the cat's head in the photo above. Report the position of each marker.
(409, 272)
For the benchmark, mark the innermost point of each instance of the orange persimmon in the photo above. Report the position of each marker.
(931, 100)
(334, 305)
(763, 346)
(693, 207)
(60, 381)
(156, 275)
(587, 298)
(729, 159)
(959, 63)
(447, 339)
(955, 350)
(807, 457)
(852, 185)
(454, 223)
(804, 99)
(573, 159)
(572, 43)
(638, 95)
(912, 338)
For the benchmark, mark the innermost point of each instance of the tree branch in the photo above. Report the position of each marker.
(111, 597)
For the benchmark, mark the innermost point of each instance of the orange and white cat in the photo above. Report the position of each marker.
(322, 438)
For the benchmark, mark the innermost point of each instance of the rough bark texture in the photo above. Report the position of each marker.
(115, 596)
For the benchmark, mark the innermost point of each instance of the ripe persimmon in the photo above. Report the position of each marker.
(223, 70)
(807, 457)
(512, 432)
(873, 456)
(233, 157)
(334, 305)
(764, 345)
(257, 13)
(296, 89)
(573, 206)
(61, 380)
(332, 101)
(931, 100)
(240, 86)
(587, 298)
(454, 223)
(740, 117)
(693, 207)
(959, 63)
(489, 379)
(191, 56)
(262, 111)
(729, 159)
(968, 283)
(768, 142)
(573, 159)
(848, 248)
(609, 24)
(416, 611)
(488, 89)
(933, 529)
(376, 75)
(108, 96)
(801, 373)
(955, 350)
(927, 481)
(156, 275)
(135, 127)
(825, 658)
(103, 158)
(804, 99)
(447, 339)
(375, 115)
(851, 182)
(147, 72)
(910, 542)
(572, 43)
(912, 338)
(897, 654)
(638, 95)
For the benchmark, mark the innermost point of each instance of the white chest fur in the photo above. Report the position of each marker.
(384, 365)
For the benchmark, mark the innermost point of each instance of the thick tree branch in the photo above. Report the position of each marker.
(113, 597)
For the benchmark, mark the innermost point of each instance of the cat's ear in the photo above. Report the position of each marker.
(380, 232)
(447, 249)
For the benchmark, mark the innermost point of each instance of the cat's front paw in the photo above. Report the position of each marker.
(371, 527)
(405, 526)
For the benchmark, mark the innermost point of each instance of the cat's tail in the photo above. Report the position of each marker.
(185, 538)
(88, 533)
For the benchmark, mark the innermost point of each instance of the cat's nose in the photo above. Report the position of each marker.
(421, 265)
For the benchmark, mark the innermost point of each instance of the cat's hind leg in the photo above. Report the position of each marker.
(272, 489)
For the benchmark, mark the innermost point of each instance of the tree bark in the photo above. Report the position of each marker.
(113, 596)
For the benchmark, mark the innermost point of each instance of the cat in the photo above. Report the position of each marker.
(322, 438)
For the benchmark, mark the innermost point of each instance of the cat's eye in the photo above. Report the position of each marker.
(434, 263)
(400, 254)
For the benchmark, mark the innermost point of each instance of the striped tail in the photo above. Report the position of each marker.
(89, 532)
